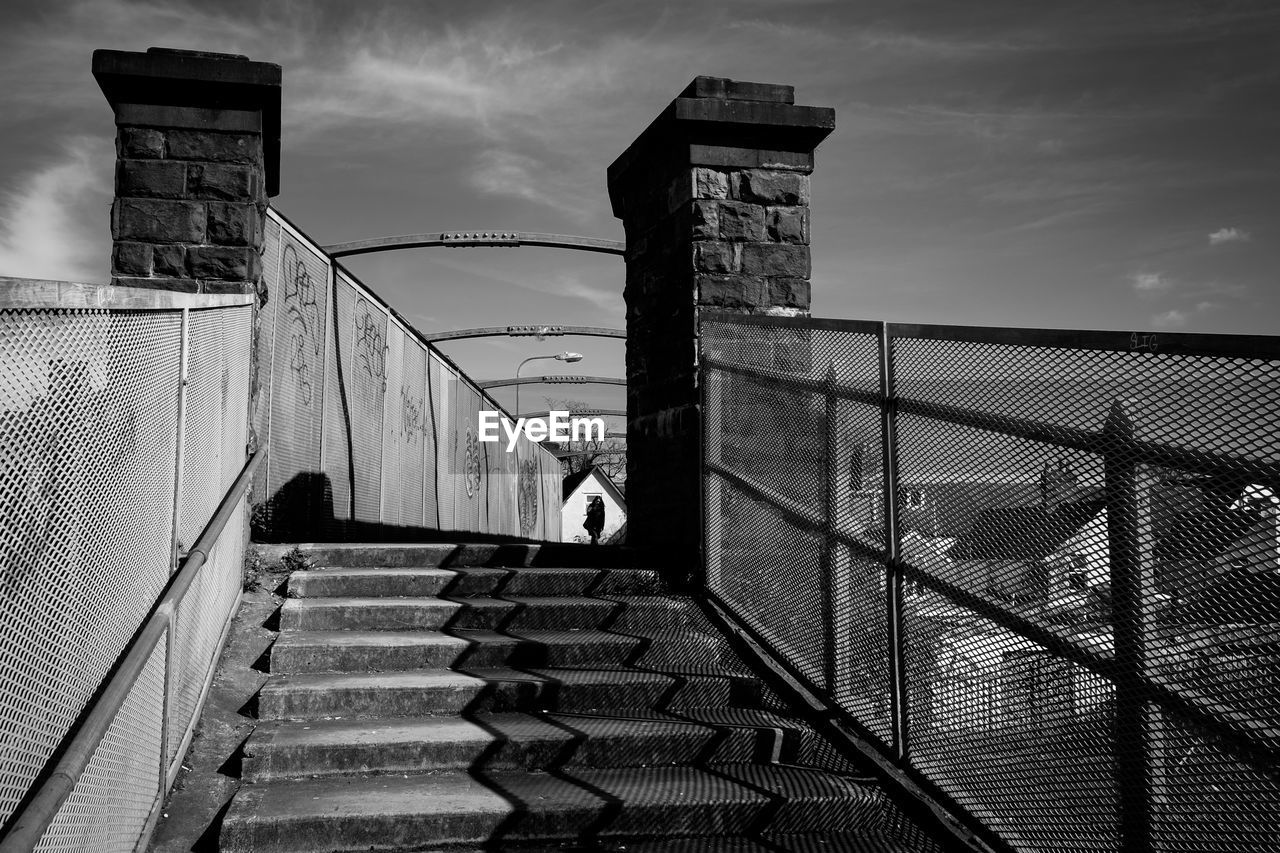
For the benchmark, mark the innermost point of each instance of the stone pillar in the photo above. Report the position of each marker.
(714, 197)
(197, 156)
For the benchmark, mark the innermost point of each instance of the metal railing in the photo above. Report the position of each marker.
(124, 429)
(1038, 571)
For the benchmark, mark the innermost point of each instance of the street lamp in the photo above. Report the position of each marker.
(569, 357)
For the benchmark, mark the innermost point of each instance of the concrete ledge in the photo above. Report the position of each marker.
(28, 293)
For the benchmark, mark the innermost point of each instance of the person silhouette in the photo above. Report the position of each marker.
(595, 519)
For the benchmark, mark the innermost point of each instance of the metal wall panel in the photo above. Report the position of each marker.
(363, 338)
(297, 383)
(393, 444)
(412, 427)
(431, 491)
(446, 443)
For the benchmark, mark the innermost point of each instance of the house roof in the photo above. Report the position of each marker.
(1025, 532)
(574, 482)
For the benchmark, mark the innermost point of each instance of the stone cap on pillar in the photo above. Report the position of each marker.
(728, 124)
(218, 91)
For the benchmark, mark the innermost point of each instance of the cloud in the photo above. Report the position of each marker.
(1228, 235)
(1149, 282)
(1172, 319)
(47, 227)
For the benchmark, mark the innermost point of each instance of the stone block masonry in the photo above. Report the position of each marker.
(714, 197)
(197, 153)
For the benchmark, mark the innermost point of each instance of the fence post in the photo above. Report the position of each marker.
(829, 570)
(895, 639)
(1130, 548)
(714, 196)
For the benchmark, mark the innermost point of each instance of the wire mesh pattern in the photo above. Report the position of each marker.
(369, 425)
(110, 804)
(1041, 569)
(89, 441)
(112, 420)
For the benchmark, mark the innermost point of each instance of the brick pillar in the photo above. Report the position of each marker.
(714, 197)
(197, 156)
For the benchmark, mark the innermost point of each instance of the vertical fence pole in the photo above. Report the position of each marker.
(712, 391)
(1132, 590)
(831, 517)
(893, 574)
(184, 347)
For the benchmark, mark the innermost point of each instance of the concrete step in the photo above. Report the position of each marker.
(359, 651)
(452, 555)
(435, 692)
(368, 582)
(453, 809)
(510, 612)
(514, 741)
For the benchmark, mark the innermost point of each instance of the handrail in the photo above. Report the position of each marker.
(38, 813)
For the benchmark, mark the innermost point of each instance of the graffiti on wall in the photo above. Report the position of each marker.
(371, 341)
(527, 497)
(303, 312)
(472, 461)
(411, 423)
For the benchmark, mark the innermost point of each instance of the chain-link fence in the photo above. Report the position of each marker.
(124, 421)
(1040, 570)
(373, 431)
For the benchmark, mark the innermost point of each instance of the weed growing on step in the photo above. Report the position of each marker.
(256, 567)
(296, 561)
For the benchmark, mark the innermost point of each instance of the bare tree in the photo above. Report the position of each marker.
(607, 454)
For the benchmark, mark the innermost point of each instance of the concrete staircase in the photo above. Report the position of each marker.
(417, 707)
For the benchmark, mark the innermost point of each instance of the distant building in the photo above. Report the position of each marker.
(579, 489)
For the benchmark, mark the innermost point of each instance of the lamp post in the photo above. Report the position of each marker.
(569, 357)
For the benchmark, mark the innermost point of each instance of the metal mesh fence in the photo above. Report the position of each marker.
(1041, 569)
(110, 461)
(109, 806)
(369, 426)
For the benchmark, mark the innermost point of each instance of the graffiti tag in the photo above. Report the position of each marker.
(304, 321)
(411, 423)
(472, 462)
(527, 497)
(1143, 343)
(371, 342)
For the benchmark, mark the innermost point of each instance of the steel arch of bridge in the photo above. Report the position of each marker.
(524, 330)
(475, 238)
(581, 413)
(553, 380)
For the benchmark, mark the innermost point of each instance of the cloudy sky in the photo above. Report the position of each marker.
(1073, 164)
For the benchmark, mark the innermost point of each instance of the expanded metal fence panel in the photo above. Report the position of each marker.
(88, 436)
(1235, 811)
(1172, 392)
(199, 626)
(110, 805)
(215, 414)
(1071, 538)
(1019, 737)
